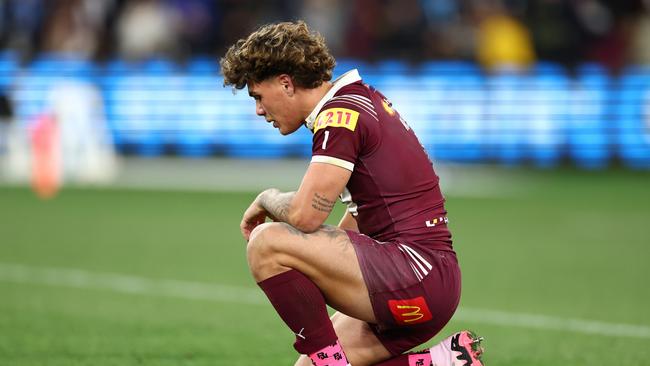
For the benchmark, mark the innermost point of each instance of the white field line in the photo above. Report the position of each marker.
(129, 284)
(76, 278)
(536, 321)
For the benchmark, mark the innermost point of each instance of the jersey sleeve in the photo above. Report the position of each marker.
(337, 136)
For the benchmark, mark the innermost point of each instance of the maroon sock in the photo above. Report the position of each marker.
(302, 307)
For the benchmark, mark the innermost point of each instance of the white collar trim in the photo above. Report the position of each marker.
(348, 78)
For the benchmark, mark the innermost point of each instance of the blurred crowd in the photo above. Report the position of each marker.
(492, 32)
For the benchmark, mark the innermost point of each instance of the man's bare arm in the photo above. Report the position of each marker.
(308, 207)
(276, 203)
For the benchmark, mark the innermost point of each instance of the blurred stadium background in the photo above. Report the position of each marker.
(536, 113)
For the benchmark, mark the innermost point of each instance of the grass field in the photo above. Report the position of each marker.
(555, 273)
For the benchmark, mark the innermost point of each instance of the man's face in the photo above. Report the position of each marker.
(276, 102)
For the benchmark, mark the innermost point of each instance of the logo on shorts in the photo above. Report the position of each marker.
(436, 221)
(410, 311)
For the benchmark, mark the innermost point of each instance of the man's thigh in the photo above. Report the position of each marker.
(328, 258)
(359, 343)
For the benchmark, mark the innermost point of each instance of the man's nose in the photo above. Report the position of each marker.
(259, 109)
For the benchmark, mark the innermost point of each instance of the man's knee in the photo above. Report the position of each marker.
(259, 232)
(265, 236)
(263, 248)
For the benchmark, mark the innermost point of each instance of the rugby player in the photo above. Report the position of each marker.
(389, 268)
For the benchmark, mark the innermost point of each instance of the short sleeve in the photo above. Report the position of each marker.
(337, 136)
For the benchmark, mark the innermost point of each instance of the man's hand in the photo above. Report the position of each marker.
(254, 216)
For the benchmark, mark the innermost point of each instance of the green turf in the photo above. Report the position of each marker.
(566, 244)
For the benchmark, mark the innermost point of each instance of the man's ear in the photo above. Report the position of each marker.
(287, 84)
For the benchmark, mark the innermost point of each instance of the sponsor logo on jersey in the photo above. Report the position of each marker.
(337, 117)
(410, 311)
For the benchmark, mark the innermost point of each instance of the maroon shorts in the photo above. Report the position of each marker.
(414, 289)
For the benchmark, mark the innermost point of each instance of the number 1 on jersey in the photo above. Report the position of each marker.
(327, 135)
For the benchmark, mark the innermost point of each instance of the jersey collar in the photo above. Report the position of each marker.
(348, 78)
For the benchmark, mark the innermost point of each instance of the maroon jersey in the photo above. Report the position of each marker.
(393, 191)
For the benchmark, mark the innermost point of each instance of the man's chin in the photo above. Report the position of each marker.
(285, 132)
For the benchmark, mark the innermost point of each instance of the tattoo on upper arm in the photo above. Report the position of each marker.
(321, 203)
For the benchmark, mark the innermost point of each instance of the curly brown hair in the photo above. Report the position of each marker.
(281, 48)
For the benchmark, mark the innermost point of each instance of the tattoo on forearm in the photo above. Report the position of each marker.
(277, 204)
(321, 203)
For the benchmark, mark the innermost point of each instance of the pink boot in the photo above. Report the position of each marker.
(460, 349)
